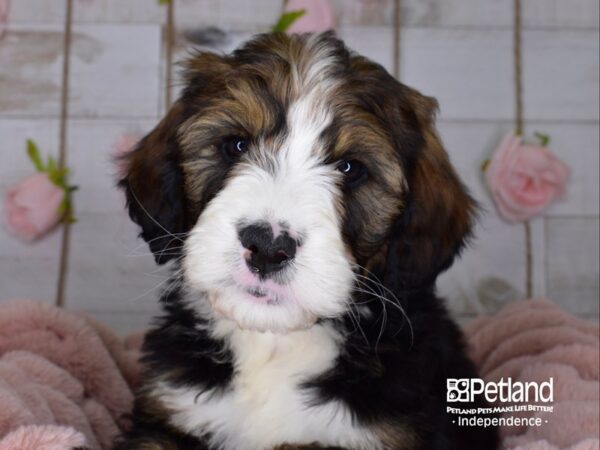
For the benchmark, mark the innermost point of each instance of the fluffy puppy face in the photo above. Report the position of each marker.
(286, 169)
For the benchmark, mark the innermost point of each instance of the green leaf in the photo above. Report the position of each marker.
(65, 209)
(163, 2)
(34, 155)
(58, 175)
(286, 20)
(51, 166)
(484, 165)
(543, 138)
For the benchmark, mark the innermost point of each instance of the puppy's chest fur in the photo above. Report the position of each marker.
(265, 405)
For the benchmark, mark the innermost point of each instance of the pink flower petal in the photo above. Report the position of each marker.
(503, 152)
(34, 190)
(31, 206)
(43, 217)
(17, 222)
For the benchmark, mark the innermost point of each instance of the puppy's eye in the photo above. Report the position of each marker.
(354, 171)
(234, 147)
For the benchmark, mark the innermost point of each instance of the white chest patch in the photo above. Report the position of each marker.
(265, 406)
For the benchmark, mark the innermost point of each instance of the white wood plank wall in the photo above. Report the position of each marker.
(459, 51)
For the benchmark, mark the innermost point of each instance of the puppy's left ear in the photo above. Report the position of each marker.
(154, 189)
(439, 213)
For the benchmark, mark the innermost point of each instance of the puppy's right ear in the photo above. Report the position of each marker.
(153, 181)
(153, 185)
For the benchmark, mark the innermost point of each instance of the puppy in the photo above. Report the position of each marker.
(307, 206)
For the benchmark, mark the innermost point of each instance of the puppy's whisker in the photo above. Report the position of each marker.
(144, 294)
(383, 315)
(355, 318)
(152, 218)
(174, 279)
(149, 253)
(382, 298)
(394, 301)
(374, 280)
(141, 248)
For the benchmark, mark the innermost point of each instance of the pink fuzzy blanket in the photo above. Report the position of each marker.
(66, 381)
(534, 340)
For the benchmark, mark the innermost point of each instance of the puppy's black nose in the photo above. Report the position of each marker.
(268, 254)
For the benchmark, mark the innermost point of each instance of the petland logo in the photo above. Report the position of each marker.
(464, 390)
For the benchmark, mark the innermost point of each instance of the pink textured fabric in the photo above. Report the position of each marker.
(533, 340)
(45, 437)
(61, 370)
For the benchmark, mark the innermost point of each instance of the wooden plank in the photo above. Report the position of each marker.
(29, 270)
(538, 253)
(575, 14)
(110, 268)
(456, 13)
(109, 11)
(572, 263)
(123, 322)
(115, 71)
(231, 15)
(36, 12)
(26, 270)
(469, 71)
(363, 13)
(375, 43)
(91, 144)
(30, 71)
(496, 256)
(560, 75)
(556, 14)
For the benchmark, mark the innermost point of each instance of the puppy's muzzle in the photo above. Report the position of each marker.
(266, 253)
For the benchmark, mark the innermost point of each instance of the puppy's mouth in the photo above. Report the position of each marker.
(256, 292)
(261, 295)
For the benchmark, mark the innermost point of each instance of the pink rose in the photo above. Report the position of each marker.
(318, 16)
(524, 179)
(32, 206)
